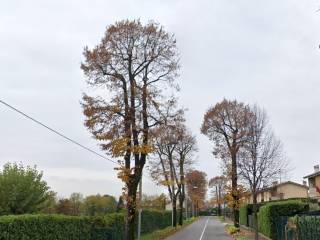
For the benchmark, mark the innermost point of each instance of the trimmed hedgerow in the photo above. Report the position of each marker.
(268, 215)
(152, 220)
(308, 227)
(61, 227)
(54, 227)
(244, 215)
(245, 211)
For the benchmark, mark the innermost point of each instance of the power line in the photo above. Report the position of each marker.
(55, 131)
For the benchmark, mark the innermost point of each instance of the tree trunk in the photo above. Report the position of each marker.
(174, 211)
(132, 186)
(181, 200)
(255, 217)
(197, 207)
(182, 190)
(234, 180)
(131, 212)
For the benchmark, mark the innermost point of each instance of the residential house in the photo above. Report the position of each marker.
(279, 191)
(314, 183)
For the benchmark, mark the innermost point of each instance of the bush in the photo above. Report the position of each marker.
(222, 218)
(269, 214)
(53, 227)
(308, 227)
(22, 190)
(244, 215)
(152, 220)
(205, 213)
(247, 210)
(232, 229)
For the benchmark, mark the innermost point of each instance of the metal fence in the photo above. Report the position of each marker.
(309, 227)
(281, 223)
(304, 228)
(250, 221)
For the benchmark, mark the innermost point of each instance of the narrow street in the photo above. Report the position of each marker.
(207, 228)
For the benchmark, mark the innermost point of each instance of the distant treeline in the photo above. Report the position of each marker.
(23, 191)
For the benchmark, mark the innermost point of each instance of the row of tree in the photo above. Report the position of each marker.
(251, 154)
(76, 205)
(23, 191)
(134, 112)
(99, 205)
(133, 63)
(171, 164)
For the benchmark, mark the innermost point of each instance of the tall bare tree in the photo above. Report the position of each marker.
(163, 167)
(197, 188)
(131, 66)
(174, 149)
(185, 149)
(226, 124)
(219, 182)
(261, 161)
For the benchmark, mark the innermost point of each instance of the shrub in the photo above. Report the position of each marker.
(269, 214)
(308, 227)
(22, 190)
(205, 213)
(222, 218)
(247, 210)
(244, 215)
(51, 227)
(232, 229)
(61, 227)
(152, 220)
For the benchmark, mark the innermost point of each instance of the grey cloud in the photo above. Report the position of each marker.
(257, 52)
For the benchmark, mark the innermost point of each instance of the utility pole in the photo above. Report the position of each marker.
(172, 217)
(140, 208)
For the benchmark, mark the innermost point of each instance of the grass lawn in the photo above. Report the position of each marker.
(166, 232)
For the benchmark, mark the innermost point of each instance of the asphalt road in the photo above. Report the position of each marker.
(206, 228)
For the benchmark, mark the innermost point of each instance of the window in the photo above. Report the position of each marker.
(281, 195)
(312, 183)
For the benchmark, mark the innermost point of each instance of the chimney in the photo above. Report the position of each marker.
(304, 183)
(274, 183)
(316, 168)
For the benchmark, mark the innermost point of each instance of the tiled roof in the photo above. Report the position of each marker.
(283, 183)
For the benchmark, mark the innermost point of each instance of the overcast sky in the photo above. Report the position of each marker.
(263, 52)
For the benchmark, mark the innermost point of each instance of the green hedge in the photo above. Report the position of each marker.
(246, 210)
(244, 215)
(269, 214)
(54, 227)
(308, 227)
(60, 227)
(152, 220)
